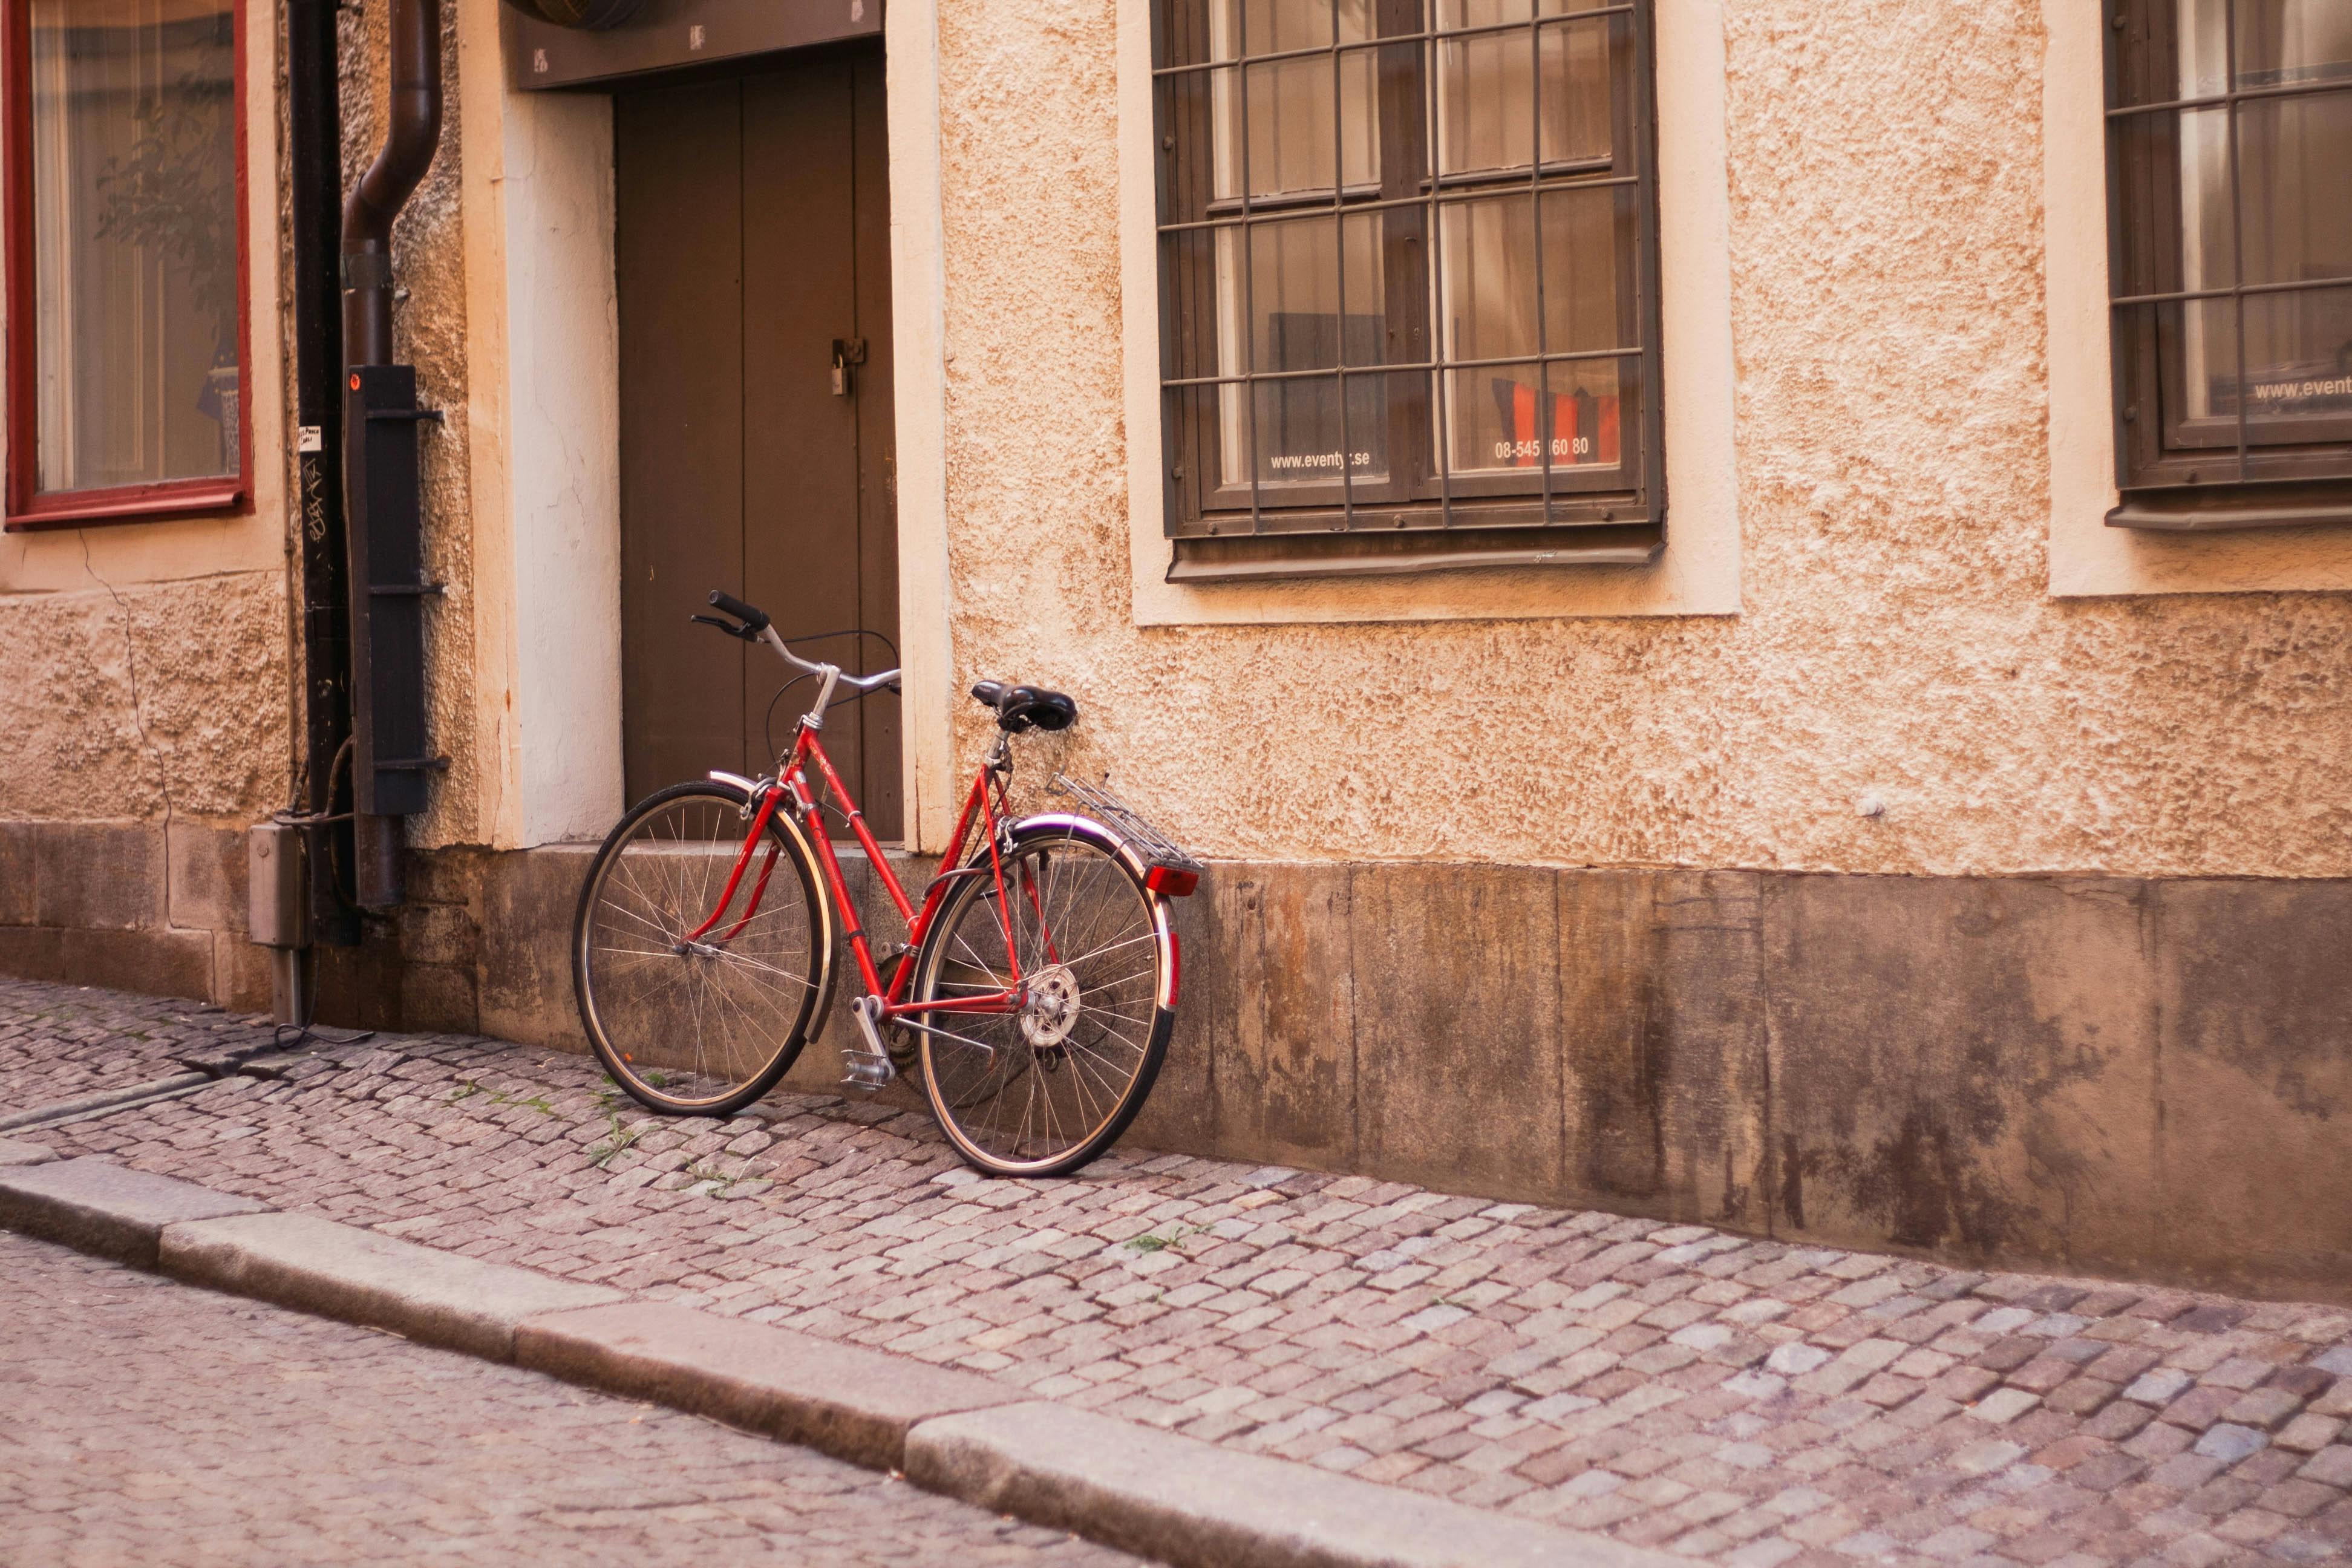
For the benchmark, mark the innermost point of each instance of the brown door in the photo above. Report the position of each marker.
(753, 235)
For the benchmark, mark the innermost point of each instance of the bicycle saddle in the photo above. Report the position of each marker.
(1020, 708)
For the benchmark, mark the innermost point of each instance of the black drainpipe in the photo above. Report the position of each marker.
(315, 112)
(413, 133)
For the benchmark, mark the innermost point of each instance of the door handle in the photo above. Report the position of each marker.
(846, 351)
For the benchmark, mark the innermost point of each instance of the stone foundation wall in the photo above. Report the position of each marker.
(2146, 1078)
(142, 906)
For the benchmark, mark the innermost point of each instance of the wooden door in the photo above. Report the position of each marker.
(752, 234)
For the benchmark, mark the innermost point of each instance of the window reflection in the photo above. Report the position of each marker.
(2285, 221)
(1292, 129)
(1487, 89)
(134, 239)
(1290, 303)
(1292, 297)
(1511, 415)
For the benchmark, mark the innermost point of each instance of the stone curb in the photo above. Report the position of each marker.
(848, 1401)
(1126, 1485)
(95, 1205)
(364, 1277)
(13, 1153)
(107, 1100)
(1195, 1505)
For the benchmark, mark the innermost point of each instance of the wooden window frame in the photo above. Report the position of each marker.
(28, 507)
(1420, 516)
(2221, 476)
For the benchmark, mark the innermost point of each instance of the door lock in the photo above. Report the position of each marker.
(846, 351)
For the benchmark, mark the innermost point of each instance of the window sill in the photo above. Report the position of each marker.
(2221, 510)
(128, 503)
(1281, 556)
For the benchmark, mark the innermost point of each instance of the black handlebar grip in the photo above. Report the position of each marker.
(755, 620)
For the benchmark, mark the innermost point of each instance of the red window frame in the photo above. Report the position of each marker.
(29, 508)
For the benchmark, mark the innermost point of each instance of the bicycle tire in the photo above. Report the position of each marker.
(636, 1026)
(1027, 1050)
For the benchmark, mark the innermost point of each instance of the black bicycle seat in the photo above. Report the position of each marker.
(1020, 708)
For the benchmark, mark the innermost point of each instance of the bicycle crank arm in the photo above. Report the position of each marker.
(872, 1067)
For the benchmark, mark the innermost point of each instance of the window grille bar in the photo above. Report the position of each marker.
(2187, 296)
(2237, 222)
(1535, 218)
(1434, 247)
(1294, 207)
(1339, 251)
(1309, 51)
(1562, 172)
(1249, 271)
(1556, 357)
(2245, 95)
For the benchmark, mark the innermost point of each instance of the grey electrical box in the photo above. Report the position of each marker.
(663, 35)
(276, 911)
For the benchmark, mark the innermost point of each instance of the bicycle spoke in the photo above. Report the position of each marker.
(694, 1026)
(1061, 1080)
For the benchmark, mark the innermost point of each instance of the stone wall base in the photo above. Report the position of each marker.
(2146, 1078)
(138, 906)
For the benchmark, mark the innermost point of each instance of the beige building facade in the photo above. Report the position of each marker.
(1899, 855)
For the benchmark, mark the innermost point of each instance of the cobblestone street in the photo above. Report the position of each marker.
(151, 1423)
(1733, 1399)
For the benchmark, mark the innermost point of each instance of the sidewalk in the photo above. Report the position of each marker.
(1732, 1400)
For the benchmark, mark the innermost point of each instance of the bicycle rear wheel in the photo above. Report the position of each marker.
(701, 1025)
(1042, 1091)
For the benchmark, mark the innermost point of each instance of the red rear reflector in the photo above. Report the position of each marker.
(1171, 881)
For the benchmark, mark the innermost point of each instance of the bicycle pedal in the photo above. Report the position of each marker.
(866, 1072)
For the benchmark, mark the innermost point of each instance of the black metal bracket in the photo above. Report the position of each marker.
(414, 764)
(384, 515)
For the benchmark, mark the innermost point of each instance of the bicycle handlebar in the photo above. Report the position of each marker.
(759, 627)
(754, 619)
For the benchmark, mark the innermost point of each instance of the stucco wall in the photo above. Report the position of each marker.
(145, 660)
(145, 701)
(1897, 636)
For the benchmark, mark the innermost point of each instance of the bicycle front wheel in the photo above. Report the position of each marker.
(1045, 1087)
(696, 999)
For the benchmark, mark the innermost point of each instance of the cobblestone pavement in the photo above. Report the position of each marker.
(1739, 1401)
(61, 1042)
(151, 1423)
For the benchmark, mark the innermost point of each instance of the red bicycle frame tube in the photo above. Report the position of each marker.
(808, 811)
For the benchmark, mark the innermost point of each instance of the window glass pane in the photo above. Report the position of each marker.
(2284, 218)
(2282, 42)
(2209, 355)
(1486, 92)
(1501, 417)
(2299, 355)
(134, 240)
(1292, 130)
(2295, 154)
(2208, 218)
(1286, 315)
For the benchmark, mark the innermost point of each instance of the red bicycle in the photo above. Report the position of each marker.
(1036, 987)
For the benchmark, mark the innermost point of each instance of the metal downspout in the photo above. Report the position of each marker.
(314, 110)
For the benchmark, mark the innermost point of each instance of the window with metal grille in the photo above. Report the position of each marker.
(2230, 139)
(1409, 299)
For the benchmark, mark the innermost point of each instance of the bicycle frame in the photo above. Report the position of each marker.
(793, 784)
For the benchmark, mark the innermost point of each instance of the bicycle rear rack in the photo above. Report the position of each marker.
(1169, 870)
